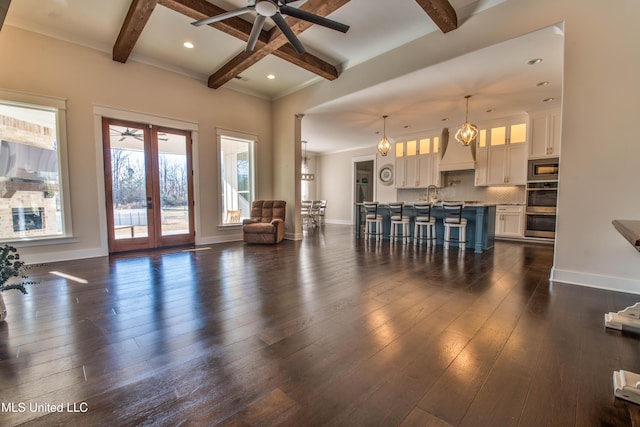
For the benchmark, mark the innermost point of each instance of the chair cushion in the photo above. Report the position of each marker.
(455, 221)
(424, 219)
(259, 228)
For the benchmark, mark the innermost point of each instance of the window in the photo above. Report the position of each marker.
(32, 168)
(237, 175)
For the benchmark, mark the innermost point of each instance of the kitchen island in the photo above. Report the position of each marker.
(481, 220)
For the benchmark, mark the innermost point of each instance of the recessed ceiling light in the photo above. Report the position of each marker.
(188, 45)
(542, 84)
(271, 77)
(490, 110)
(547, 99)
(445, 119)
(535, 61)
(407, 126)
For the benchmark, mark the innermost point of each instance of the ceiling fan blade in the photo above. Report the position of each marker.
(314, 19)
(222, 16)
(288, 33)
(255, 32)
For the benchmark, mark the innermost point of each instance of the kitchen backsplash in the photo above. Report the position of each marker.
(460, 185)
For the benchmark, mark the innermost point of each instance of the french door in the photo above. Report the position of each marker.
(149, 185)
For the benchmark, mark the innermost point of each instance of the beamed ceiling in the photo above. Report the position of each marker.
(152, 32)
(270, 42)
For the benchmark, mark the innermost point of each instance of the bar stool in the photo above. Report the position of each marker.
(373, 220)
(399, 223)
(453, 219)
(424, 221)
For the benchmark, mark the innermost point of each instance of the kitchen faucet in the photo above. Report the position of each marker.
(435, 194)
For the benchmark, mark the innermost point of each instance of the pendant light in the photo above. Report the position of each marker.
(467, 132)
(384, 145)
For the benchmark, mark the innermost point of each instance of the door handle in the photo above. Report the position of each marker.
(149, 202)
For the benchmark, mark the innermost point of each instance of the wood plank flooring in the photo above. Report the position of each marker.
(328, 331)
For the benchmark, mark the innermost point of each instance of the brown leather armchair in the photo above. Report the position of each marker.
(266, 224)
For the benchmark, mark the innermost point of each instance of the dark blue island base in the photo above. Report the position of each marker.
(481, 220)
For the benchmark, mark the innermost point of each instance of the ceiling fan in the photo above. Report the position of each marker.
(274, 9)
(133, 133)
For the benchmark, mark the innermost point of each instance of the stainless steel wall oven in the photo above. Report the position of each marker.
(540, 213)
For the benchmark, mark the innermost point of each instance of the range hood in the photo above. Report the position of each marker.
(455, 156)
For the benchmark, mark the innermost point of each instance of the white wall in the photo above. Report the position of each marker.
(598, 181)
(88, 78)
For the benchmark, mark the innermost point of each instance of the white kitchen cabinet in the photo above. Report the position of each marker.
(509, 221)
(545, 134)
(417, 163)
(507, 154)
(481, 158)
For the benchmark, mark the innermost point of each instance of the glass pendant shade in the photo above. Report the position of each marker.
(384, 146)
(467, 132)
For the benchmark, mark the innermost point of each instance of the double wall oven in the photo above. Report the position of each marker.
(542, 198)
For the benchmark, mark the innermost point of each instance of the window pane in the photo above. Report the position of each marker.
(237, 178)
(30, 197)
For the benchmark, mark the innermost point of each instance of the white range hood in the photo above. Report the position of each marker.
(455, 156)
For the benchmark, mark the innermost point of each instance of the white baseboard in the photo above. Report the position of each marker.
(610, 283)
(65, 256)
(338, 221)
(219, 239)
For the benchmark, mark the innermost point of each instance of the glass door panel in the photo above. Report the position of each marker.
(174, 187)
(128, 186)
(148, 186)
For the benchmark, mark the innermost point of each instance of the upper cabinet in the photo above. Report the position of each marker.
(501, 153)
(417, 163)
(545, 134)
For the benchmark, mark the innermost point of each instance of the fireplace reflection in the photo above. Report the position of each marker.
(25, 219)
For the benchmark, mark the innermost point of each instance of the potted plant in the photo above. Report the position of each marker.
(11, 267)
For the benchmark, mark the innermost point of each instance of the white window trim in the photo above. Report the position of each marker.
(60, 104)
(239, 135)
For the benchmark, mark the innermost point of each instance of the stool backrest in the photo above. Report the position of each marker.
(371, 209)
(423, 211)
(452, 212)
(395, 210)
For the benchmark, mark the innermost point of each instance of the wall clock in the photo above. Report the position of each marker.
(386, 175)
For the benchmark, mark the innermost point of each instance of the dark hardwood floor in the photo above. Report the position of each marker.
(325, 331)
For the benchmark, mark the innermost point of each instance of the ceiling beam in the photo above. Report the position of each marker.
(200, 9)
(134, 23)
(239, 28)
(441, 13)
(4, 8)
(277, 42)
